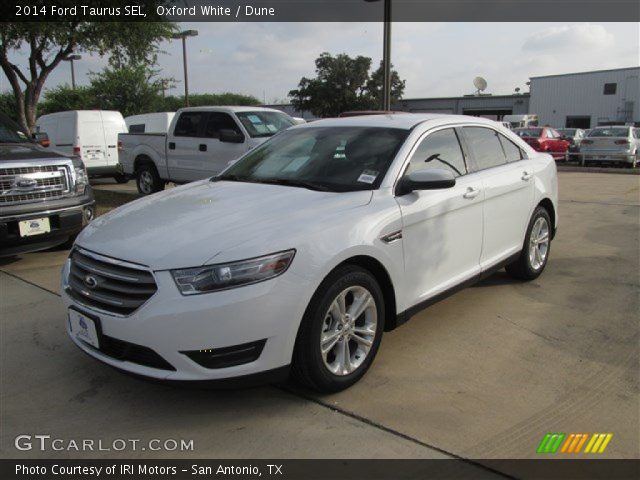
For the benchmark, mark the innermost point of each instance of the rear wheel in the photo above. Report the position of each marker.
(341, 331)
(535, 251)
(147, 179)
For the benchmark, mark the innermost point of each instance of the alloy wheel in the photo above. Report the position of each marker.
(348, 330)
(539, 243)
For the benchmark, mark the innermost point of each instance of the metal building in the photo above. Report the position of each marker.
(490, 106)
(587, 99)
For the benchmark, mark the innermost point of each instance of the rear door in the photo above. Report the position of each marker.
(508, 187)
(112, 126)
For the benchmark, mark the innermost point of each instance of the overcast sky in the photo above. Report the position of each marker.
(268, 59)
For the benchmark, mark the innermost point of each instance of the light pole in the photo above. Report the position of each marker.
(183, 35)
(386, 55)
(70, 59)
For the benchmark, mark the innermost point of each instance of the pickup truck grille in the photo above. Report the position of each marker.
(31, 184)
(109, 286)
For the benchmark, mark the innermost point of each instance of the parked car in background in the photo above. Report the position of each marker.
(298, 120)
(158, 122)
(572, 135)
(611, 145)
(545, 139)
(201, 142)
(91, 135)
(297, 259)
(45, 197)
(521, 121)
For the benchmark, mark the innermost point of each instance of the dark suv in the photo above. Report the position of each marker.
(45, 196)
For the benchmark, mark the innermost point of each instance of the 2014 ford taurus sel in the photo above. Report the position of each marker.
(299, 255)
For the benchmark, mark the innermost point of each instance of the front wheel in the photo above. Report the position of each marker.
(341, 331)
(535, 251)
(147, 179)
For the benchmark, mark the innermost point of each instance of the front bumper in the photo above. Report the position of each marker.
(170, 325)
(65, 221)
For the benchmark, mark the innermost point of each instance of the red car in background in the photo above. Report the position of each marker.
(545, 139)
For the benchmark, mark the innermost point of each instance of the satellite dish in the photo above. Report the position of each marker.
(480, 83)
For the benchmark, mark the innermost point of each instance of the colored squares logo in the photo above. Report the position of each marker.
(574, 443)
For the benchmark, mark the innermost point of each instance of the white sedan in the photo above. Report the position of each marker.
(298, 256)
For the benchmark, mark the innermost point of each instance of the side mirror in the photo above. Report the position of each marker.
(428, 179)
(41, 138)
(230, 136)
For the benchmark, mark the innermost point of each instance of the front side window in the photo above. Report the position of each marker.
(9, 132)
(440, 149)
(219, 121)
(189, 124)
(338, 159)
(485, 146)
(264, 124)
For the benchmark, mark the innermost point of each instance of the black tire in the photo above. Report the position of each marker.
(147, 179)
(120, 178)
(308, 366)
(523, 268)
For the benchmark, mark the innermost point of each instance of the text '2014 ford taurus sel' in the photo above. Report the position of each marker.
(306, 249)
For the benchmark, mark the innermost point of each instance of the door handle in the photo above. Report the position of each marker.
(471, 192)
(172, 146)
(202, 147)
(526, 176)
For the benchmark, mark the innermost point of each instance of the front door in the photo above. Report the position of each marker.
(442, 229)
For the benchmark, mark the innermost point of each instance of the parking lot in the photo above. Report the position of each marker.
(483, 374)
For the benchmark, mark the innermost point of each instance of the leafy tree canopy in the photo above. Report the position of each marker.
(343, 83)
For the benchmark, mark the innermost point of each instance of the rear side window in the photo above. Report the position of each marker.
(485, 146)
(189, 124)
(219, 121)
(440, 149)
(511, 150)
(137, 128)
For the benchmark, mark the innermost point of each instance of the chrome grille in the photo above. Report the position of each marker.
(45, 182)
(108, 285)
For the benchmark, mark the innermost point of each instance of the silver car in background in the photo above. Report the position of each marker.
(613, 144)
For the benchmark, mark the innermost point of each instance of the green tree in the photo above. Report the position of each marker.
(8, 105)
(129, 89)
(63, 97)
(342, 83)
(374, 86)
(48, 43)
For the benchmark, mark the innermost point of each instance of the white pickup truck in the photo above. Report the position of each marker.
(201, 142)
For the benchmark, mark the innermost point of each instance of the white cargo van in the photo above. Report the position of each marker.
(90, 134)
(149, 122)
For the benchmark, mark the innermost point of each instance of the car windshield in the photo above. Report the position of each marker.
(529, 132)
(264, 124)
(609, 132)
(338, 159)
(10, 132)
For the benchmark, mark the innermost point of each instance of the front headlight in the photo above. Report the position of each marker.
(82, 179)
(191, 281)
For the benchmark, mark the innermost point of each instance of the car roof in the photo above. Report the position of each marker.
(404, 121)
(229, 109)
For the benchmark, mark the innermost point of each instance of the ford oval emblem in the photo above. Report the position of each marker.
(90, 281)
(22, 182)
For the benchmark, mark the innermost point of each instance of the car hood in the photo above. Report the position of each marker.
(190, 225)
(26, 151)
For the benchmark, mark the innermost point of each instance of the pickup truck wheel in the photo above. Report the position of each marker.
(147, 180)
(535, 251)
(120, 178)
(341, 331)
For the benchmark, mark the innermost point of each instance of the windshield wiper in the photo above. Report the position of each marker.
(290, 182)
